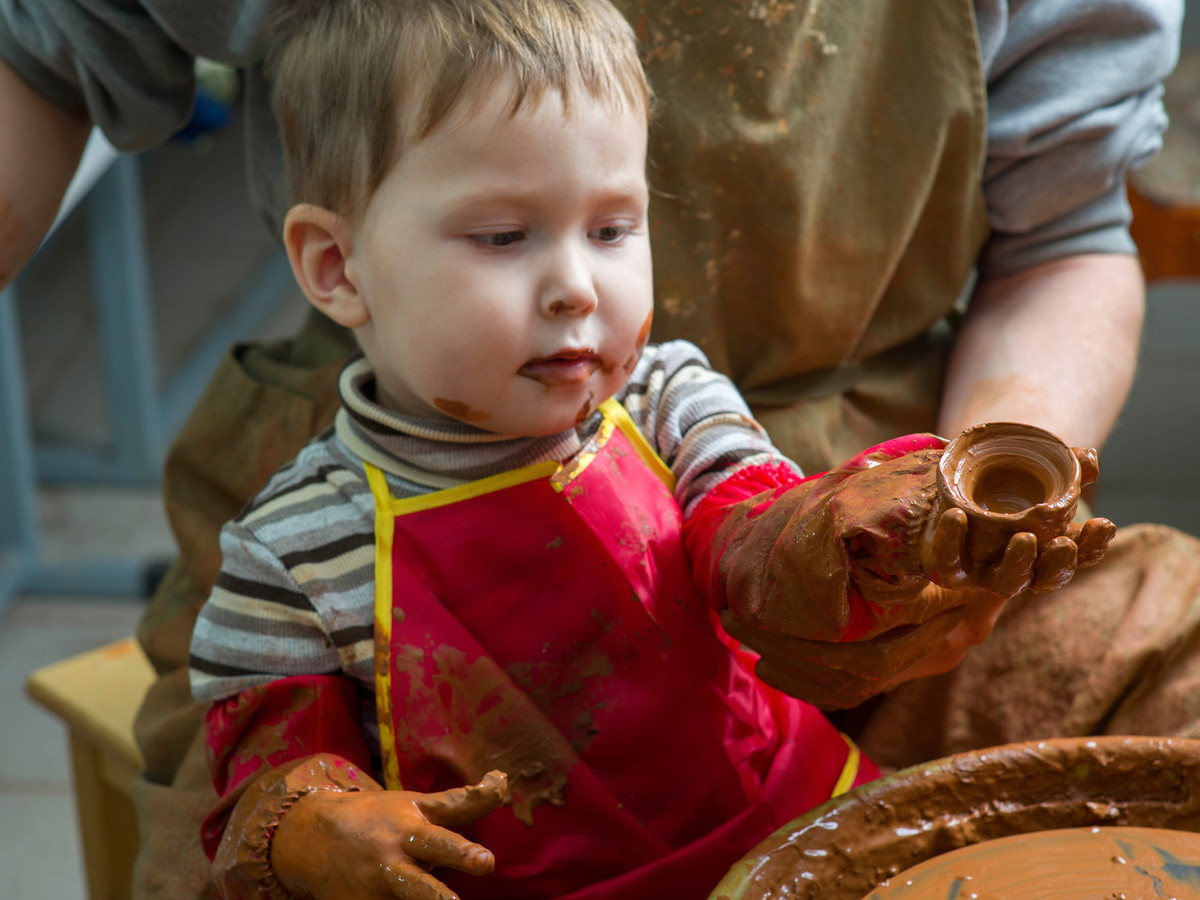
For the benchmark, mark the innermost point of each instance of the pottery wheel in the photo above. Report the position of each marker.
(1121, 863)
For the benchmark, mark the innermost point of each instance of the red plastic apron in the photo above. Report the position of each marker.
(543, 622)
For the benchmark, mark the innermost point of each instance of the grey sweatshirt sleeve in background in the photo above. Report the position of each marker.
(1073, 98)
(128, 63)
(1074, 102)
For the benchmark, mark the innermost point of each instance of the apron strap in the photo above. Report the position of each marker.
(850, 770)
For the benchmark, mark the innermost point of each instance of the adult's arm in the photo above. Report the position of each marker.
(40, 147)
(125, 65)
(1054, 346)
(63, 67)
(1074, 103)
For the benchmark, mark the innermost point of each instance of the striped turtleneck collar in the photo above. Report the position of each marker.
(438, 452)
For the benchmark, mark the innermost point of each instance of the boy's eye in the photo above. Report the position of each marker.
(609, 234)
(499, 238)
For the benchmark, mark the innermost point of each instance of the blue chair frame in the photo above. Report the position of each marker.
(144, 419)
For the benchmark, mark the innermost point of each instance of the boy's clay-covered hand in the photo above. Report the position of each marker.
(852, 582)
(849, 555)
(381, 844)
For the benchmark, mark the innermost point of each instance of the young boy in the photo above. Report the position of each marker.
(478, 576)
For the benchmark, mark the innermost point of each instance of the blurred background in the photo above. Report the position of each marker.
(86, 520)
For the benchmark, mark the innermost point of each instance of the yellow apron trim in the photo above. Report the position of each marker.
(492, 483)
(573, 467)
(614, 410)
(385, 526)
(560, 475)
(849, 770)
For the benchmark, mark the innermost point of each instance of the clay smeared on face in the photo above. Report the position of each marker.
(461, 411)
(586, 409)
(642, 339)
(553, 172)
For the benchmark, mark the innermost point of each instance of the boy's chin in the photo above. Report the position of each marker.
(542, 426)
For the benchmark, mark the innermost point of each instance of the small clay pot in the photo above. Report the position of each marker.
(1010, 478)
(845, 848)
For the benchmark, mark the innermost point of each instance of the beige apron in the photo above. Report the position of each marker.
(818, 203)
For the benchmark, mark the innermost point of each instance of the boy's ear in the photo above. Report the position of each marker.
(318, 243)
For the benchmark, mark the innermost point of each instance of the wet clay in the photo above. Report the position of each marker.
(1117, 863)
(849, 846)
(642, 338)
(492, 728)
(850, 555)
(460, 410)
(586, 409)
(1010, 478)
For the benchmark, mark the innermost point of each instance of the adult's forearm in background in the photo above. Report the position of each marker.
(40, 147)
(1054, 346)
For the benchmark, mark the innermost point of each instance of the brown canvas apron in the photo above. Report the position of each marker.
(818, 203)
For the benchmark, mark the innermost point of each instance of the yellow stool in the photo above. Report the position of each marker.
(97, 695)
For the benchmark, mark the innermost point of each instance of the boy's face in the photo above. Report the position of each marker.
(505, 264)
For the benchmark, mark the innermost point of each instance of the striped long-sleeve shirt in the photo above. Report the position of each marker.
(296, 590)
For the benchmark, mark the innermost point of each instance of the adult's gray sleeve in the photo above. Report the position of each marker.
(1074, 102)
(128, 63)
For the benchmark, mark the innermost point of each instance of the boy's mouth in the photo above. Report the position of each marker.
(566, 367)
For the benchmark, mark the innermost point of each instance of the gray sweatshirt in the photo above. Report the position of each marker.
(1074, 98)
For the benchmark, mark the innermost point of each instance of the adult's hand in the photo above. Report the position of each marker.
(849, 555)
(889, 636)
(843, 674)
(847, 588)
(1023, 566)
(381, 844)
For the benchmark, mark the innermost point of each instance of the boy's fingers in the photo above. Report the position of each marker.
(460, 806)
(439, 846)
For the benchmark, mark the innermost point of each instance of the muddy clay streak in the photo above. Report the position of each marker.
(640, 345)
(586, 409)
(644, 332)
(458, 715)
(460, 410)
(1065, 864)
(847, 847)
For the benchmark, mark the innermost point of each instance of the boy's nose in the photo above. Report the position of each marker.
(568, 286)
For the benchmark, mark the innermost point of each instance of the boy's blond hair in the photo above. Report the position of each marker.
(357, 81)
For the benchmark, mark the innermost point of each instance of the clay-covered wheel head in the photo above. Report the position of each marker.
(846, 847)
